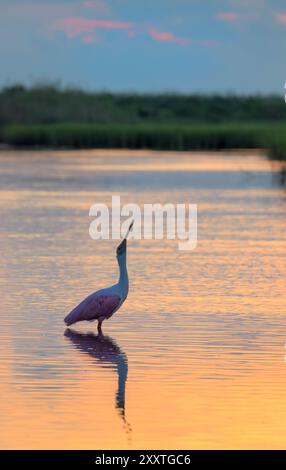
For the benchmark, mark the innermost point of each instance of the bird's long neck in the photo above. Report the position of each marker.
(123, 274)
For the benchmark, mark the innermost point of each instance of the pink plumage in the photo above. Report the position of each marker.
(95, 307)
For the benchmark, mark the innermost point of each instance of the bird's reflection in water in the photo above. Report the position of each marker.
(108, 354)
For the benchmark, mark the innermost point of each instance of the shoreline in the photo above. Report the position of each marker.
(127, 152)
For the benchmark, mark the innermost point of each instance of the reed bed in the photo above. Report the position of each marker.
(149, 136)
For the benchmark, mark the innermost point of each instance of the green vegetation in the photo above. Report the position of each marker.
(157, 136)
(46, 116)
(49, 104)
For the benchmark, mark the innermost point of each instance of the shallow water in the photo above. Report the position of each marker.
(196, 356)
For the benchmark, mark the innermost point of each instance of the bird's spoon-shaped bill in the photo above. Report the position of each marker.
(129, 229)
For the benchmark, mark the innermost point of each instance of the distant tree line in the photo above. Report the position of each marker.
(48, 104)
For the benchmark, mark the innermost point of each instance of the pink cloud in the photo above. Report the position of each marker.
(88, 39)
(75, 26)
(228, 16)
(163, 36)
(281, 18)
(85, 29)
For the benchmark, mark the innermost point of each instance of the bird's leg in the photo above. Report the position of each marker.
(99, 326)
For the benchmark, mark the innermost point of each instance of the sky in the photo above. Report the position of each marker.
(146, 45)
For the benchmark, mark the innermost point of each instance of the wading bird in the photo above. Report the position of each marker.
(103, 303)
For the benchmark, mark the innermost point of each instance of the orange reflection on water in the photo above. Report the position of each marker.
(195, 358)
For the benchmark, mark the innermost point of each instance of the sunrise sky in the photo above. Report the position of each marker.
(146, 45)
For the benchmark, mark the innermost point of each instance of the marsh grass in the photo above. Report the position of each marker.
(150, 136)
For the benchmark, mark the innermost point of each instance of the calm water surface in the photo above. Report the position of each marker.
(196, 356)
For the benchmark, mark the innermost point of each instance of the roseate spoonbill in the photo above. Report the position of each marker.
(107, 353)
(103, 303)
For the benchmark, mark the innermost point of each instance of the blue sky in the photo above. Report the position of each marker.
(146, 45)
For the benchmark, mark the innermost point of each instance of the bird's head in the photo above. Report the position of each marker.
(121, 249)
